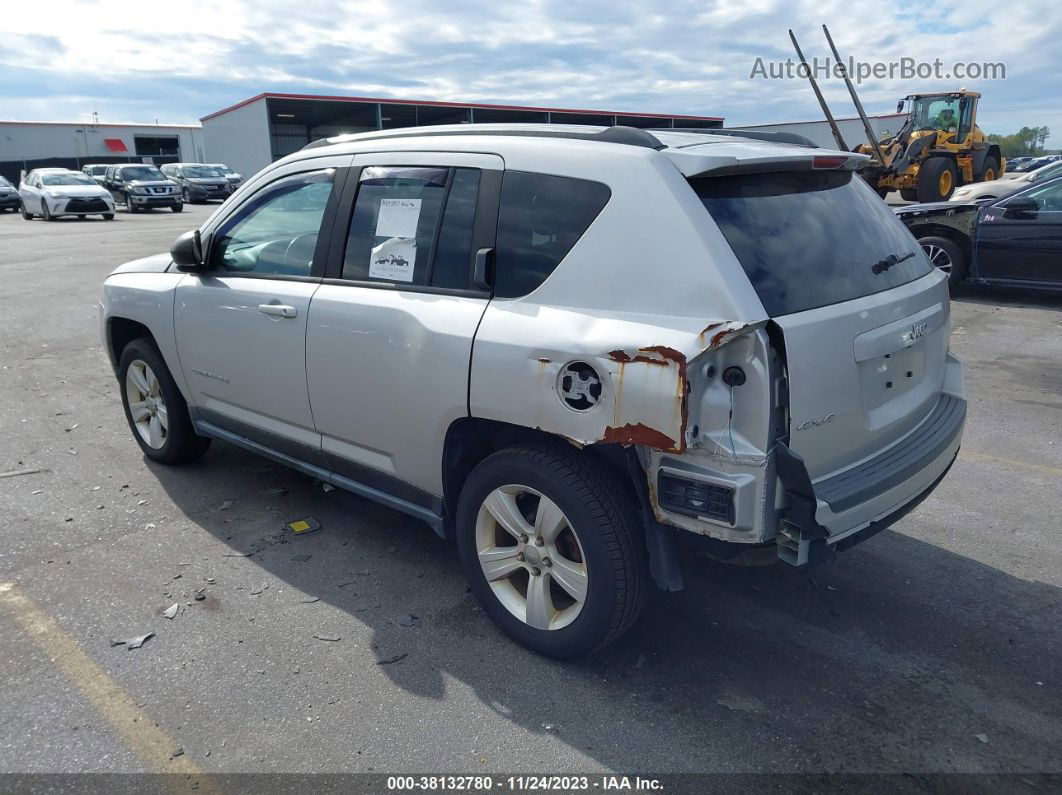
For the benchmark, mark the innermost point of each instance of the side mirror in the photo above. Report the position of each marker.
(1021, 205)
(899, 106)
(187, 252)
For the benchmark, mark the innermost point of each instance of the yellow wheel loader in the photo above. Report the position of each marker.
(938, 148)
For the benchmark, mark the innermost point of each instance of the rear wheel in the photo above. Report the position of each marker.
(937, 179)
(154, 407)
(946, 255)
(909, 194)
(989, 171)
(552, 548)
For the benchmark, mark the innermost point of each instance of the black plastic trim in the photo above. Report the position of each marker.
(899, 462)
(618, 134)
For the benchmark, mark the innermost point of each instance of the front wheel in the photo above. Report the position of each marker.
(937, 179)
(177, 208)
(129, 206)
(26, 213)
(108, 216)
(154, 407)
(46, 214)
(946, 255)
(552, 548)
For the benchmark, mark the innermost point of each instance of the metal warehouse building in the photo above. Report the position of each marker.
(252, 134)
(26, 145)
(851, 128)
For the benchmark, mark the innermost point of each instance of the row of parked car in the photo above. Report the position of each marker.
(1020, 164)
(97, 189)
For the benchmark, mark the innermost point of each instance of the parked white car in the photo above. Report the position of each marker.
(52, 193)
(562, 347)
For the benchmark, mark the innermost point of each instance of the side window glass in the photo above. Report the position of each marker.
(394, 224)
(1049, 197)
(453, 252)
(541, 217)
(276, 231)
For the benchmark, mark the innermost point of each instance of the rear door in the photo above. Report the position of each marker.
(391, 330)
(1024, 246)
(863, 314)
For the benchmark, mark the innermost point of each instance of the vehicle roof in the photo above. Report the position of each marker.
(691, 152)
(962, 92)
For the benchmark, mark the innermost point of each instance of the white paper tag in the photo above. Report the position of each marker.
(398, 218)
(394, 259)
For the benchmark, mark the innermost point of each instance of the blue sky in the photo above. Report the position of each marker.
(137, 61)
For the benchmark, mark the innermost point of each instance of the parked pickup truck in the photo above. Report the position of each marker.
(142, 187)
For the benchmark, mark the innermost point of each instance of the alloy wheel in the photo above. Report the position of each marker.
(531, 557)
(146, 404)
(939, 257)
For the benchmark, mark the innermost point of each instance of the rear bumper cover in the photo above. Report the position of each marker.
(831, 516)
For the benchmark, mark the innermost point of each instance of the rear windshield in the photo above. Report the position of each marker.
(810, 238)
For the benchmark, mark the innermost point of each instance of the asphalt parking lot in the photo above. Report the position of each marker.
(934, 647)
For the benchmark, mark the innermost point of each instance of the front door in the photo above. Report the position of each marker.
(390, 335)
(241, 325)
(1025, 245)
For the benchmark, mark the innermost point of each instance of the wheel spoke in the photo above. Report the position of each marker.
(155, 432)
(499, 562)
(549, 520)
(164, 418)
(502, 507)
(139, 411)
(136, 375)
(152, 381)
(570, 576)
(539, 610)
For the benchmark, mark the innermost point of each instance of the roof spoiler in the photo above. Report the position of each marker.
(771, 136)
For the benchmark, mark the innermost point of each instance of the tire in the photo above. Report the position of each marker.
(989, 170)
(177, 208)
(946, 255)
(883, 192)
(45, 212)
(129, 206)
(909, 194)
(186, 196)
(165, 435)
(107, 216)
(600, 542)
(26, 214)
(937, 179)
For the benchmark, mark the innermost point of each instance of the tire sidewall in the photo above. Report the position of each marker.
(958, 259)
(591, 626)
(147, 352)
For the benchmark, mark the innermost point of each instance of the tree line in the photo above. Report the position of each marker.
(1026, 141)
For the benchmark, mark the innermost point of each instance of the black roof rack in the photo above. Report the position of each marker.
(629, 136)
(774, 137)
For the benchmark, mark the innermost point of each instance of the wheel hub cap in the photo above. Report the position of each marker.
(147, 408)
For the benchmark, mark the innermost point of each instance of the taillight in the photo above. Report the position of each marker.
(829, 161)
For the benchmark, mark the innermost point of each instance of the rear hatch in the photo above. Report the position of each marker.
(863, 313)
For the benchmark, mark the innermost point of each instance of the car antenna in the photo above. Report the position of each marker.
(855, 98)
(818, 95)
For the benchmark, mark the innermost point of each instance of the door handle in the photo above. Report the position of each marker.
(277, 310)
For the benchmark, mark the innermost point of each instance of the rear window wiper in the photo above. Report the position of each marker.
(893, 259)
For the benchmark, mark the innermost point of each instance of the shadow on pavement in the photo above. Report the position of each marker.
(899, 650)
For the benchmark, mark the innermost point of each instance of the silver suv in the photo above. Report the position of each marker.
(564, 347)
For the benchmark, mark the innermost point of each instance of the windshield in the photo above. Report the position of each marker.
(5, 184)
(94, 170)
(142, 173)
(197, 172)
(224, 169)
(67, 179)
(809, 239)
(935, 113)
(1046, 172)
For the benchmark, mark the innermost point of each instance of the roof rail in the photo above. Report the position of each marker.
(629, 136)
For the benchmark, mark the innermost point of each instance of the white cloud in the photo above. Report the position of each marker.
(687, 56)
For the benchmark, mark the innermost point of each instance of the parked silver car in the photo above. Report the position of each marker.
(54, 192)
(561, 346)
(1007, 185)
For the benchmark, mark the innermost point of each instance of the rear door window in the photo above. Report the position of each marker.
(811, 238)
(540, 218)
(413, 225)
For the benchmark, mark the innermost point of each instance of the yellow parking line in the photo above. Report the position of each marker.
(135, 726)
(1013, 463)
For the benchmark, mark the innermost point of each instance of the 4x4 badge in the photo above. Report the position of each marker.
(816, 423)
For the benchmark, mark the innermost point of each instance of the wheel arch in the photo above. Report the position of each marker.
(951, 233)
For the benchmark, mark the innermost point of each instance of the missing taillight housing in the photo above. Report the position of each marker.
(829, 161)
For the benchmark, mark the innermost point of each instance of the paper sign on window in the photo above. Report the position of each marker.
(398, 218)
(393, 259)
